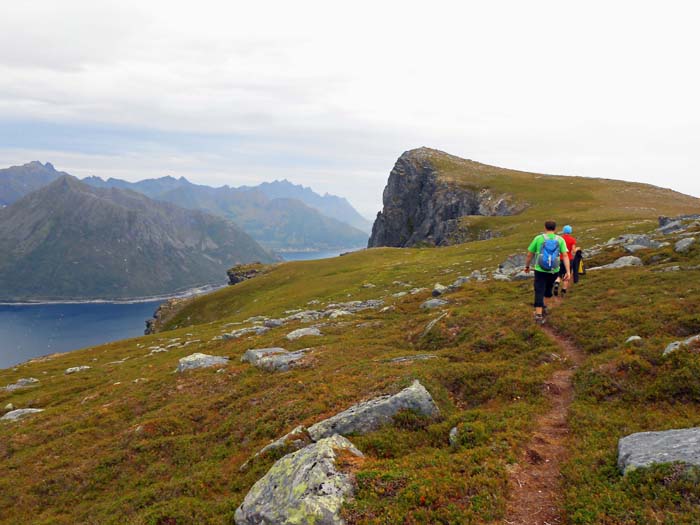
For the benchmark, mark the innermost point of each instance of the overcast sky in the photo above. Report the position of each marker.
(329, 95)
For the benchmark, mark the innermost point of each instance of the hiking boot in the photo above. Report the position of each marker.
(539, 319)
(544, 311)
(555, 290)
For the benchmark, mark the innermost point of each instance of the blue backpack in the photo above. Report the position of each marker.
(550, 254)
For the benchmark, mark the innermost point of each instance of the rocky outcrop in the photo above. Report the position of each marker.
(647, 448)
(243, 272)
(420, 207)
(373, 414)
(164, 313)
(24, 382)
(622, 262)
(274, 359)
(303, 487)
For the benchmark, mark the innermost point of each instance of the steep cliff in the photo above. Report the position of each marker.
(421, 206)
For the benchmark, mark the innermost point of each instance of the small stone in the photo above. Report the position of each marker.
(677, 344)
(76, 369)
(454, 436)
(399, 294)
(19, 413)
(409, 358)
(273, 323)
(439, 289)
(198, 360)
(9, 407)
(303, 332)
(684, 245)
(633, 339)
(433, 303)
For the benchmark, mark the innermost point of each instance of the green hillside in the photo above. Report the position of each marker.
(130, 441)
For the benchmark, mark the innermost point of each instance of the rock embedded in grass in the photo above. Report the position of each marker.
(433, 303)
(252, 330)
(439, 289)
(198, 360)
(677, 344)
(20, 413)
(633, 339)
(622, 262)
(24, 382)
(303, 332)
(648, 448)
(684, 245)
(273, 359)
(302, 487)
(409, 358)
(375, 413)
(76, 369)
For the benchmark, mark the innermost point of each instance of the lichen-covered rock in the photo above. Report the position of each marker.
(433, 303)
(647, 448)
(198, 360)
(22, 383)
(296, 439)
(273, 359)
(19, 413)
(677, 344)
(303, 332)
(304, 487)
(76, 369)
(371, 415)
(422, 207)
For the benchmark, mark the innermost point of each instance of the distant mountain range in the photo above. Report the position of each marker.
(280, 215)
(69, 240)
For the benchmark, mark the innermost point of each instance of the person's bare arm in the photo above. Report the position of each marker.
(567, 265)
(528, 260)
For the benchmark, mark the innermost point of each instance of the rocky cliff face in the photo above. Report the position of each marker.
(421, 207)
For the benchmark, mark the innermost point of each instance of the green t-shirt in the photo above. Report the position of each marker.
(536, 247)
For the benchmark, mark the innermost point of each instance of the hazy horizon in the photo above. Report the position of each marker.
(328, 96)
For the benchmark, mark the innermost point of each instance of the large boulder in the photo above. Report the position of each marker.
(19, 413)
(622, 262)
(371, 415)
(304, 487)
(647, 448)
(198, 360)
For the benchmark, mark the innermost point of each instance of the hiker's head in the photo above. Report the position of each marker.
(550, 226)
(568, 229)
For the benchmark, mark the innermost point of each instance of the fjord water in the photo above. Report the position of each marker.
(28, 331)
(34, 330)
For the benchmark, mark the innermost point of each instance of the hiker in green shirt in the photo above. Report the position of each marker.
(548, 247)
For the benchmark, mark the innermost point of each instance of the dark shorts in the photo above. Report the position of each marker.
(544, 283)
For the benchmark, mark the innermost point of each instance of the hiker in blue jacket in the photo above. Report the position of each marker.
(548, 247)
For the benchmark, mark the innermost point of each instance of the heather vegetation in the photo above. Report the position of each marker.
(131, 441)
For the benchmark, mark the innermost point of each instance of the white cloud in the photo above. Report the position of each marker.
(329, 94)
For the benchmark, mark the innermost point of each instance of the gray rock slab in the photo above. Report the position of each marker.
(304, 487)
(19, 413)
(255, 355)
(684, 245)
(252, 330)
(273, 359)
(303, 332)
(677, 344)
(647, 448)
(433, 303)
(622, 262)
(373, 414)
(24, 382)
(198, 360)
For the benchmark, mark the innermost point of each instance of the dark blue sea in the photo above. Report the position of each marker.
(28, 331)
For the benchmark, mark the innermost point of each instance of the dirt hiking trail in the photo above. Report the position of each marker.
(535, 481)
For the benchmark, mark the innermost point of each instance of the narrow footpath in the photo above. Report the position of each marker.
(535, 482)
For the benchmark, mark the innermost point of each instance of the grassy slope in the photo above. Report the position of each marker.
(167, 448)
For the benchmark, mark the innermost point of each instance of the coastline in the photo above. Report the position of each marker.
(190, 292)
